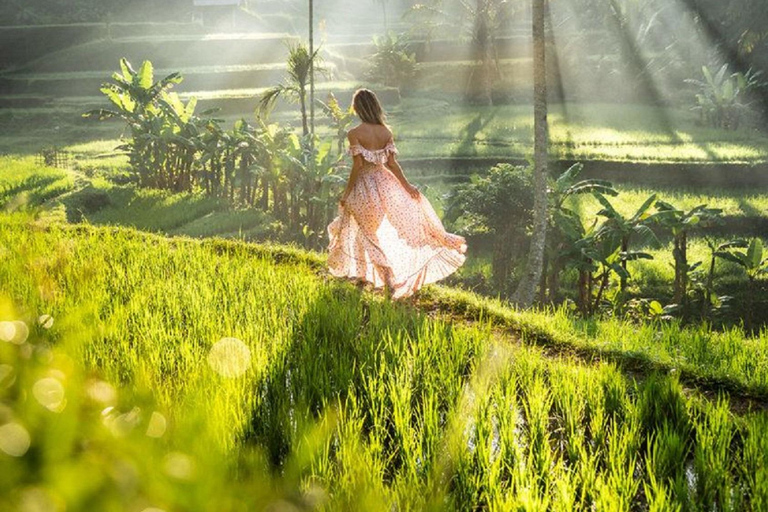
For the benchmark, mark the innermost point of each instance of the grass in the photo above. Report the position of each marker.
(340, 399)
(23, 181)
(726, 359)
(84, 194)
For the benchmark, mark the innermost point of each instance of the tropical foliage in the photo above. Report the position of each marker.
(392, 63)
(588, 258)
(722, 98)
(500, 206)
(296, 179)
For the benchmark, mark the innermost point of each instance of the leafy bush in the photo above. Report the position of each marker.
(499, 205)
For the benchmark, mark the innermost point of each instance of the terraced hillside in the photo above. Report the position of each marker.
(246, 365)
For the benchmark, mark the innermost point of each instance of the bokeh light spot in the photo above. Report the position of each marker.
(101, 392)
(21, 334)
(7, 331)
(45, 321)
(157, 425)
(50, 394)
(179, 465)
(14, 439)
(230, 357)
(7, 375)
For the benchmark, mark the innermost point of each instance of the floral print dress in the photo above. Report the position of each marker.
(383, 235)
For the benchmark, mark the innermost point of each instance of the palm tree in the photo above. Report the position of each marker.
(527, 287)
(300, 64)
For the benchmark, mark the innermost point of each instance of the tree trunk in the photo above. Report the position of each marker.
(543, 281)
(526, 289)
(584, 292)
(303, 101)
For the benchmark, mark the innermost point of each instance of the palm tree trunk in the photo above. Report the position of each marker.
(526, 288)
(303, 101)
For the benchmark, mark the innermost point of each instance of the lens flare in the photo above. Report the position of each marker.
(230, 357)
(14, 439)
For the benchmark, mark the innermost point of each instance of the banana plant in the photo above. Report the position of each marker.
(753, 263)
(316, 182)
(751, 260)
(600, 258)
(181, 132)
(680, 223)
(133, 92)
(340, 119)
(567, 227)
(710, 300)
(134, 96)
(719, 99)
(618, 231)
(246, 148)
(271, 161)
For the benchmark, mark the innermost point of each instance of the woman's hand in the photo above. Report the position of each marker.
(412, 190)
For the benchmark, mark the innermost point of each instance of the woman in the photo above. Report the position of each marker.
(386, 232)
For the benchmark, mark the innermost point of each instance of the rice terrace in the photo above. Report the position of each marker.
(283, 255)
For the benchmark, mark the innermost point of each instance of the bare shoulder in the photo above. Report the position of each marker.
(381, 134)
(354, 133)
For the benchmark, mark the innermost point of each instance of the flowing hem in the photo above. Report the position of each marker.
(407, 285)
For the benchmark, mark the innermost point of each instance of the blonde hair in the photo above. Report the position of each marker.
(367, 107)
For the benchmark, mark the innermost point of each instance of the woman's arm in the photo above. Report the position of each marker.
(357, 163)
(394, 166)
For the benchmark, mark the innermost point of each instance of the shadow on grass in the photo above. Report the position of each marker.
(146, 209)
(345, 352)
(34, 186)
(468, 134)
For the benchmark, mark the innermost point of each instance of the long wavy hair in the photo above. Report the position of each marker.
(368, 108)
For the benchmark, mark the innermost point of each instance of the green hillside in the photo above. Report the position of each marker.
(343, 399)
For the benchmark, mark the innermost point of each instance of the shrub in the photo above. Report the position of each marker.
(501, 205)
